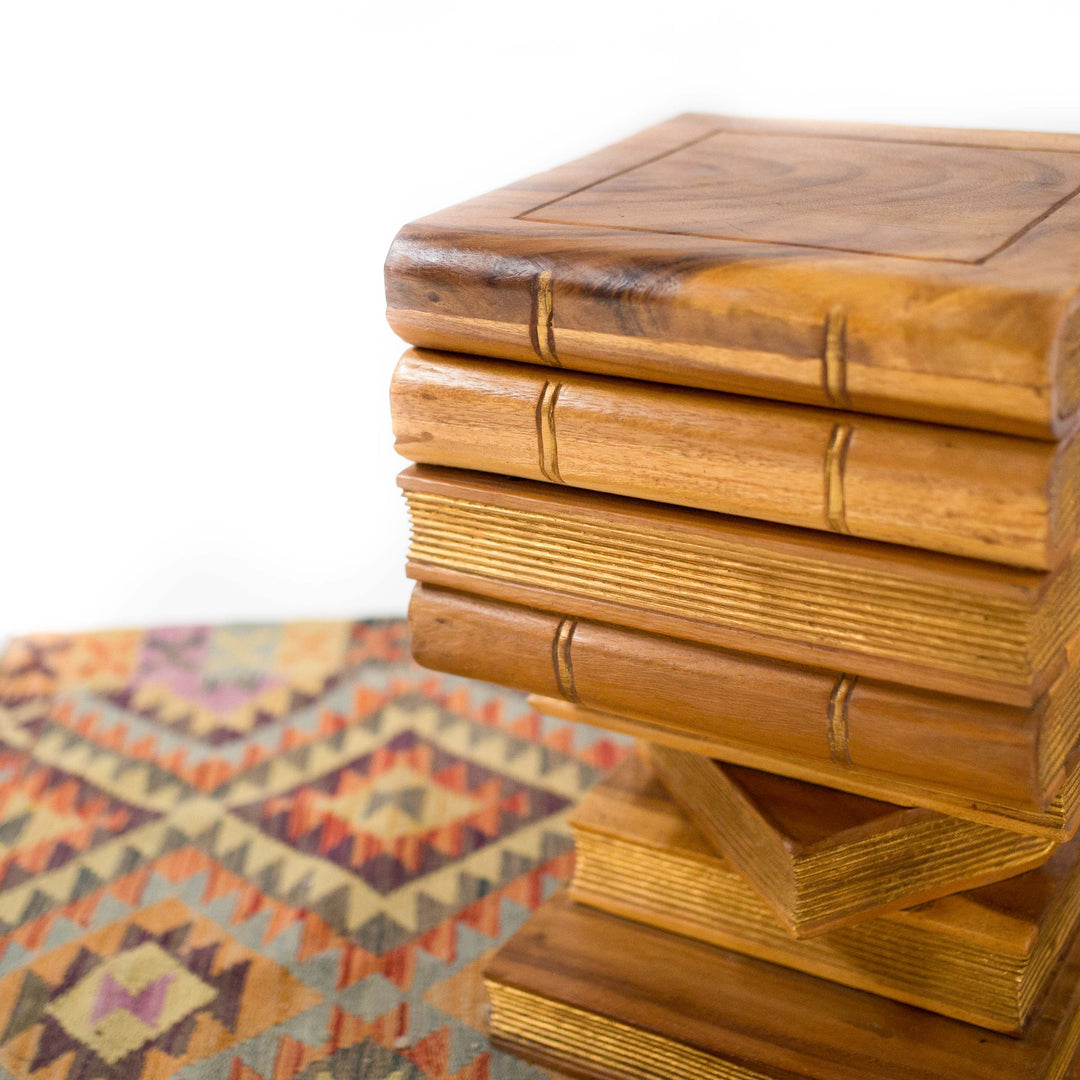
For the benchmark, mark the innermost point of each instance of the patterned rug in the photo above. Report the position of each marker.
(246, 852)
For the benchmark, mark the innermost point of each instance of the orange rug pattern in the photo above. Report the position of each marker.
(265, 852)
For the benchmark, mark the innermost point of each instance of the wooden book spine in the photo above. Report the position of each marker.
(986, 750)
(991, 361)
(1058, 822)
(960, 492)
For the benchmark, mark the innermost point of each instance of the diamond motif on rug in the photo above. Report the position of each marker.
(47, 817)
(120, 1003)
(128, 1000)
(400, 813)
(399, 802)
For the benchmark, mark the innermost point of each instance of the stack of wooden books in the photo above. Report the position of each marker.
(754, 440)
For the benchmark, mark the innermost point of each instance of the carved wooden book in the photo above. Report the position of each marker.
(984, 956)
(583, 991)
(893, 742)
(920, 273)
(1057, 822)
(822, 859)
(967, 493)
(938, 622)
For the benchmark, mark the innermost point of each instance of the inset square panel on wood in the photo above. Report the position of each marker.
(874, 196)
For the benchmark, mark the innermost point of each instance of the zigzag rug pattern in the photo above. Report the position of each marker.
(265, 852)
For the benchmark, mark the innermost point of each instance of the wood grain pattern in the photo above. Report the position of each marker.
(983, 956)
(823, 859)
(966, 493)
(881, 611)
(601, 996)
(926, 274)
(886, 733)
(1057, 822)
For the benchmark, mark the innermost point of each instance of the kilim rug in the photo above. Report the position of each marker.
(272, 851)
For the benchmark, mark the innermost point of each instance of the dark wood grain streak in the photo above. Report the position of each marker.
(844, 274)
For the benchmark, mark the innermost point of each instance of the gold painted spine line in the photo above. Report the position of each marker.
(546, 436)
(835, 459)
(560, 652)
(834, 360)
(839, 733)
(542, 322)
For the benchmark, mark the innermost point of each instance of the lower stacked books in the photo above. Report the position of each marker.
(667, 967)
(600, 996)
(729, 922)
(844, 851)
(983, 956)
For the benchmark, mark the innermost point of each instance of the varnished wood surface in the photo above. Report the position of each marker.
(886, 733)
(823, 859)
(925, 200)
(959, 626)
(983, 956)
(701, 1000)
(1058, 822)
(927, 274)
(967, 493)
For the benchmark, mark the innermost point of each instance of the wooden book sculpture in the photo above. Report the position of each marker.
(758, 441)
(938, 622)
(994, 763)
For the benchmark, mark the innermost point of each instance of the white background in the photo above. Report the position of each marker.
(196, 199)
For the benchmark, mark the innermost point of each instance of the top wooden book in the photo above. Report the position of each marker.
(920, 273)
